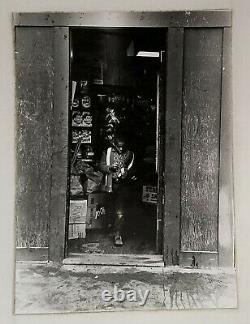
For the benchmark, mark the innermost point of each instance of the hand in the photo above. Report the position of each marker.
(113, 168)
(124, 174)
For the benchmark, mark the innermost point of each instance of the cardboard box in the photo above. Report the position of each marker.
(96, 213)
(77, 231)
(149, 194)
(78, 211)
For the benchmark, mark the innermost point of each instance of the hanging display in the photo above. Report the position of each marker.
(84, 134)
(81, 119)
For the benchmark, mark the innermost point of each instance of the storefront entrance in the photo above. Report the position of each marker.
(162, 82)
(116, 88)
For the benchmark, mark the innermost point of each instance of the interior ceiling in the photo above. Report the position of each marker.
(97, 40)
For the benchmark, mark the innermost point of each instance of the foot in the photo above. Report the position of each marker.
(118, 240)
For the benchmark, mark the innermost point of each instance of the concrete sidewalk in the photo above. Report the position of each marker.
(53, 288)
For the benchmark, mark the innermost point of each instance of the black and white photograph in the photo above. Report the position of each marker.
(124, 161)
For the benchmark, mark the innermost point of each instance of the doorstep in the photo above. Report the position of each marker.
(139, 260)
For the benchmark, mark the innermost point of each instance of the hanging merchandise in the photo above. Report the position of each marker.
(88, 152)
(81, 119)
(111, 117)
(111, 124)
(75, 103)
(77, 118)
(74, 99)
(87, 119)
(84, 87)
(85, 136)
(82, 98)
(86, 101)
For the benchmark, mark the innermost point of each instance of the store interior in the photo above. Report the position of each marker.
(114, 90)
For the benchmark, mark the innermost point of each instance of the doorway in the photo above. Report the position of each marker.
(197, 171)
(116, 76)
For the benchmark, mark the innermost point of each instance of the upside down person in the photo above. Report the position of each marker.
(117, 165)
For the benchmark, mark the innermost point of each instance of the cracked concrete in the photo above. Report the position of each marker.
(56, 288)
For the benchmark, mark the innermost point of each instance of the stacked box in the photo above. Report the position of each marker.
(96, 210)
(77, 219)
(77, 231)
(78, 211)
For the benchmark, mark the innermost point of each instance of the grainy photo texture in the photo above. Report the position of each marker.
(124, 180)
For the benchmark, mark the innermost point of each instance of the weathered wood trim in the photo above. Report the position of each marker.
(60, 145)
(161, 102)
(142, 260)
(34, 101)
(226, 208)
(32, 254)
(201, 139)
(209, 18)
(173, 146)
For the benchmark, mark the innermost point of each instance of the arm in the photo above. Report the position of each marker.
(104, 168)
(130, 169)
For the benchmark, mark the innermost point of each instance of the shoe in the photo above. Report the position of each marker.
(118, 240)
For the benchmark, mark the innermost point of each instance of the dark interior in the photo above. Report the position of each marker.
(116, 77)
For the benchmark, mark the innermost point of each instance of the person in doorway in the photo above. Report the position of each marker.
(117, 165)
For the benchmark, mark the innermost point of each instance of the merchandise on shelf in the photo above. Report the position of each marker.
(84, 134)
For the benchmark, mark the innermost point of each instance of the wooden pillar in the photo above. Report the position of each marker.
(201, 146)
(34, 104)
(59, 174)
(226, 207)
(171, 248)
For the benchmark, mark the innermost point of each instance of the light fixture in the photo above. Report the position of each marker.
(148, 54)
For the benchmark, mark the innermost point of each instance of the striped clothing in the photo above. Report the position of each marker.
(124, 162)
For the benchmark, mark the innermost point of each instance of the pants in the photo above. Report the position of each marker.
(119, 201)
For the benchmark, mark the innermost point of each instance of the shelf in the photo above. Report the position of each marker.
(88, 127)
(78, 197)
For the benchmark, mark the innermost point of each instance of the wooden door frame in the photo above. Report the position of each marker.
(175, 21)
(224, 257)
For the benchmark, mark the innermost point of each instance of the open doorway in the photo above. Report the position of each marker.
(115, 160)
